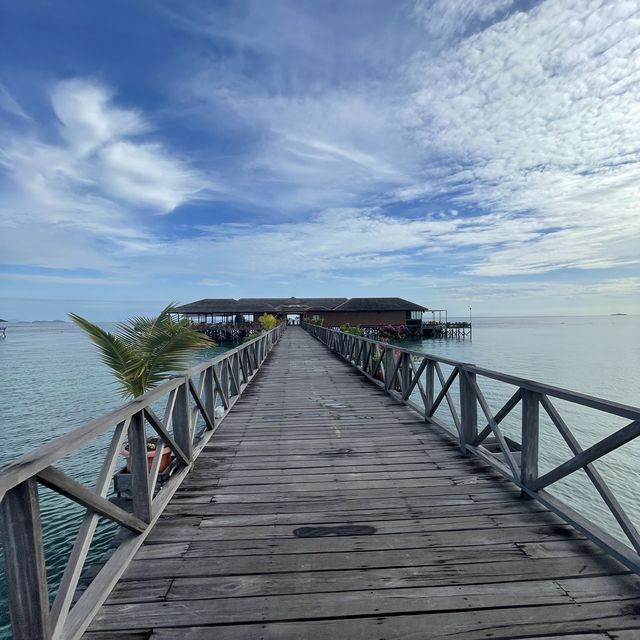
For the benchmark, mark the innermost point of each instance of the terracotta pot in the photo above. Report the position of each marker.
(164, 462)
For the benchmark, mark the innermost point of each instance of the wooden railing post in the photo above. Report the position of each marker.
(235, 371)
(405, 372)
(389, 366)
(530, 438)
(140, 494)
(25, 572)
(429, 387)
(181, 419)
(468, 410)
(209, 393)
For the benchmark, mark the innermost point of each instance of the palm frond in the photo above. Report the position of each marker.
(145, 350)
(114, 353)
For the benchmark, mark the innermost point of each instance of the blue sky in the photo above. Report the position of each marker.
(452, 152)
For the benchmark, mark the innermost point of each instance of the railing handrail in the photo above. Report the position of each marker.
(602, 404)
(393, 368)
(197, 392)
(29, 464)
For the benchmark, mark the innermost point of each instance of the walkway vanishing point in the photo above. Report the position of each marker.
(323, 509)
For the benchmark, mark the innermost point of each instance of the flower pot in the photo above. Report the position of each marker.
(164, 462)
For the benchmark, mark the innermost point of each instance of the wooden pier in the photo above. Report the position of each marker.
(326, 507)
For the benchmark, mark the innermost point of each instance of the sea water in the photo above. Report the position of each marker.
(52, 381)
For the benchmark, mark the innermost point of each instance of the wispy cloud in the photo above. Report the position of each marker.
(66, 279)
(10, 105)
(90, 188)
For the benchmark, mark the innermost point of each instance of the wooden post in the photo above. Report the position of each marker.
(468, 410)
(209, 394)
(25, 572)
(389, 366)
(429, 386)
(405, 374)
(235, 370)
(182, 420)
(530, 438)
(224, 373)
(140, 493)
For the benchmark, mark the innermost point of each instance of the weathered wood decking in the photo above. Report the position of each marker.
(322, 509)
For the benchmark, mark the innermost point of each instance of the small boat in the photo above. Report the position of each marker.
(3, 328)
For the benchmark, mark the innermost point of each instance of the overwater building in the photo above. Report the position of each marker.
(332, 312)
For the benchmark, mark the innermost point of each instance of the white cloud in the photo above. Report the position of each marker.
(147, 175)
(88, 116)
(540, 114)
(86, 196)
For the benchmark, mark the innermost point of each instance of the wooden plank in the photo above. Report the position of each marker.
(144, 590)
(66, 486)
(574, 572)
(330, 605)
(464, 537)
(556, 621)
(26, 581)
(374, 512)
(194, 563)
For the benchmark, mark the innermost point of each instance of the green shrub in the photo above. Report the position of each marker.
(252, 336)
(354, 331)
(268, 321)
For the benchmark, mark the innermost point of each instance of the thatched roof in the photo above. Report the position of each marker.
(221, 306)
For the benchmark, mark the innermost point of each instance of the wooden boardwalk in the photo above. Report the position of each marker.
(322, 509)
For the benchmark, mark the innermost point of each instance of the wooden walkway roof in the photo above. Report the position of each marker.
(322, 509)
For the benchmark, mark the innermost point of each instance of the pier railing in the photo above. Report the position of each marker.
(408, 376)
(203, 394)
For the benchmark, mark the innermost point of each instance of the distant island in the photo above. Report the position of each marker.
(38, 322)
(619, 314)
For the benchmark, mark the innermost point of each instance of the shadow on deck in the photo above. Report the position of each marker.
(324, 509)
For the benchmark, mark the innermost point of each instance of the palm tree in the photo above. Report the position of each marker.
(143, 351)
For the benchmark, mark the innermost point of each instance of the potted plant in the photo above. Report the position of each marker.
(152, 444)
(142, 352)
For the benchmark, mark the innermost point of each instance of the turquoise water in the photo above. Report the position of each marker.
(53, 382)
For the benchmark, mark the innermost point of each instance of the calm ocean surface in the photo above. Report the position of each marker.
(52, 382)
